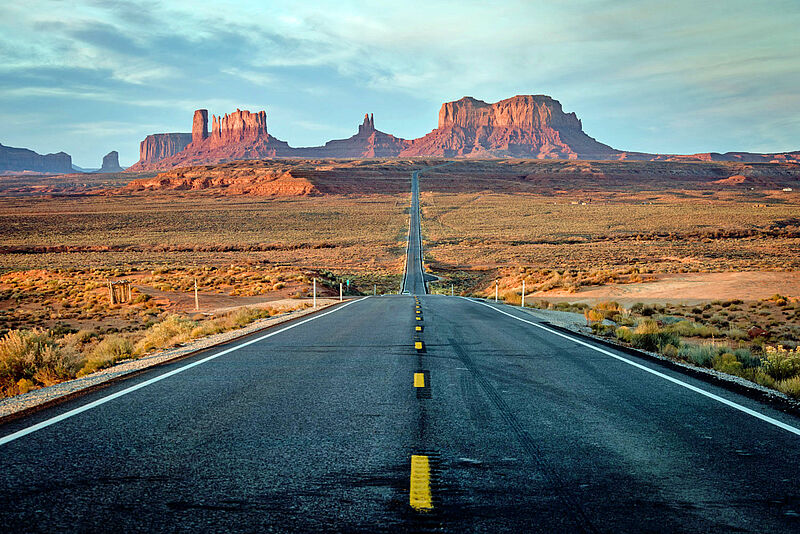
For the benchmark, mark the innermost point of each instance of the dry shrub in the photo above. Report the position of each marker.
(33, 356)
(171, 331)
(790, 386)
(109, 351)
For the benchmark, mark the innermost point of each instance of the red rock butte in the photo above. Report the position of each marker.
(524, 126)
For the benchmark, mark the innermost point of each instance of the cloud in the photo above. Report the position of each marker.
(647, 75)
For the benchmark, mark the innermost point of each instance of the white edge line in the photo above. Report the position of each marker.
(734, 405)
(66, 415)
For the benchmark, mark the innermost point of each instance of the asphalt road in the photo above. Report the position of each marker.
(414, 277)
(341, 424)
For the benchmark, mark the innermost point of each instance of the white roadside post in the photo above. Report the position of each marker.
(374, 290)
(523, 294)
(196, 301)
(451, 290)
(495, 290)
(340, 292)
(315, 292)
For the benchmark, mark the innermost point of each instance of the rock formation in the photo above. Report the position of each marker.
(200, 126)
(239, 127)
(24, 160)
(526, 126)
(243, 178)
(111, 162)
(157, 147)
(367, 143)
(240, 135)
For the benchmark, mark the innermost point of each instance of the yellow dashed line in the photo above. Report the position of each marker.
(418, 345)
(419, 329)
(420, 494)
(419, 380)
(419, 318)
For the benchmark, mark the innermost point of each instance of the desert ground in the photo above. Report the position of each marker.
(681, 235)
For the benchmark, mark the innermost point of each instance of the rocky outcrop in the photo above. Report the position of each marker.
(238, 127)
(157, 147)
(111, 162)
(241, 135)
(200, 126)
(23, 160)
(241, 178)
(526, 126)
(367, 143)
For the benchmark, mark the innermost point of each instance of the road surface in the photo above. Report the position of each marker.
(414, 282)
(340, 423)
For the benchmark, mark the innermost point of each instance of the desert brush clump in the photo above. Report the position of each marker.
(109, 351)
(648, 335)
(171, 331)
(29, 358)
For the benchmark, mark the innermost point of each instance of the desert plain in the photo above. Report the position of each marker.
(714, 243)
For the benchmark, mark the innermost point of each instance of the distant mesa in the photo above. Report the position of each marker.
(111, 162)
(157, 147)
(524, 126)
(23, 160)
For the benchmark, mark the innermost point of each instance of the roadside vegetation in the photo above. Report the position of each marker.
(757, 341)
(33, 358)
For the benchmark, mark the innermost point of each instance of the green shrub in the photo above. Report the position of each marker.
(727, 363)
(781, 364)
(701, 355)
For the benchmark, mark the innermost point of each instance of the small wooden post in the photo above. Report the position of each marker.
(111, 292)
(196, 300)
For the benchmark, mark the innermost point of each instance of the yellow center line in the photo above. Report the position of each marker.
(420, 494)
(419, 318)
(418, 345)
(419, 380)
(419, 329)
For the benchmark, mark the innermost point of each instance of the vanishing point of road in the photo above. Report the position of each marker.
(408, 412)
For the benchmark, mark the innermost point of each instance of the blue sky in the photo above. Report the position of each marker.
(88, 77)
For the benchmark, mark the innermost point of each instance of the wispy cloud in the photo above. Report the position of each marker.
(674, 77)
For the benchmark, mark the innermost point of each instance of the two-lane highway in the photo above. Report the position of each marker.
(406, 413)
(414, 276)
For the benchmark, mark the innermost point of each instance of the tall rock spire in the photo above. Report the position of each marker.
(200, 126)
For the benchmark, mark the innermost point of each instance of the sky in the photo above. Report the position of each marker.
(91, 76)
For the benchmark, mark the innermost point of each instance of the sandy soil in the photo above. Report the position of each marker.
(689, 288)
